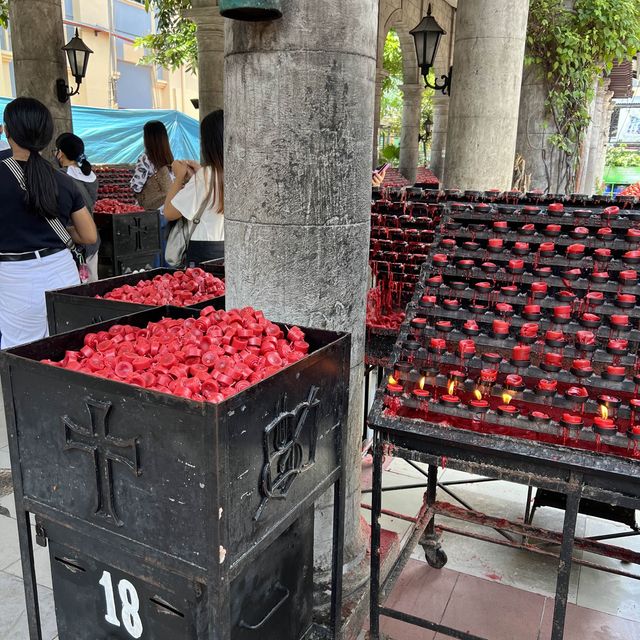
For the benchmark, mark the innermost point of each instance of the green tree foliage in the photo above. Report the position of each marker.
(392, 99)
(573, 49)
(4, 13)
(620, 156)
(174, 44)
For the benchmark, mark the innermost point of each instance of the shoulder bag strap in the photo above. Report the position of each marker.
(196, 220)
(54, 223)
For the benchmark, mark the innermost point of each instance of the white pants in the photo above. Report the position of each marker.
(23, 310)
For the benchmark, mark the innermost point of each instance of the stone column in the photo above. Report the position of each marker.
(37, 37)
(298, 139)
(439, 135)
(604, 142)
(596, 141)
(410, 138)
(210, 35)
(381, 74)
(487, 71)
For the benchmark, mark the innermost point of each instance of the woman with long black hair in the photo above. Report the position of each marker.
(38, 205)
(73, 161)
(199, 190)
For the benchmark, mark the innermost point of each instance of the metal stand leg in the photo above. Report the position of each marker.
(433, 553)
(376, 506)
(338, 558)
(29, 574)
(367, 382)
(566, 555)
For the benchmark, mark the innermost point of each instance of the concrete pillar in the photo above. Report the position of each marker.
(210, 35)
(381, 74)
(597, 139)
(299, 96)
(410, 138)
(439, 135)
(487, 72)
(37, 37)
(604, 141)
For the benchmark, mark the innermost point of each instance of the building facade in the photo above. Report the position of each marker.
(115, 79)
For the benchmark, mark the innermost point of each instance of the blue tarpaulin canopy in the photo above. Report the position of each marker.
(114, 136)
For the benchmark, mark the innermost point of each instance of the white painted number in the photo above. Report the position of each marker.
(112, 616)
(130, 605)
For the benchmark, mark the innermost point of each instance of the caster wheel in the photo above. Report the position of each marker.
(435, 557)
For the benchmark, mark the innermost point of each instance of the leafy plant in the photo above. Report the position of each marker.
(573, 48)
(4, 13)
(174, 44)
(620, 156)
(391, 153)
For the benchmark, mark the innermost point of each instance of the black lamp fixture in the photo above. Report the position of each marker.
(78, 55)
(427, 36)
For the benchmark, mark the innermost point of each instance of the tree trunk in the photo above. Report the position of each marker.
(37, 38)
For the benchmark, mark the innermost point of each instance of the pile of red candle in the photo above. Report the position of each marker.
(206, 358)
(180, 289)
(110, 206)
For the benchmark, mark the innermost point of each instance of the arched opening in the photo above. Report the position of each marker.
(400, 68)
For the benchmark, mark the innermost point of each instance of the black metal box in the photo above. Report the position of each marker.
(77, 307)
(101, 591)
(193, 489)
(130, 241)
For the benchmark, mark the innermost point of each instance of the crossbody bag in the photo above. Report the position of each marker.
(58, 228)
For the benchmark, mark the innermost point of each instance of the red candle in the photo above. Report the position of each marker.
(595, 297)
(553, 359)
(471, 325)
(435, 281)
(532, 309)
(575, 249)
(619, 320)
(444, 325)
(618, 344)
(616, 371)
(581, 364)
(626, 298)
(562, 312)
(504, 308)
(528, 228)
(547, 247)
(553, 228)
(521, 353)
(600, 275)
(428, 301)
(571, 419)
(500, 224)
(394, 389)
(450, 399)
(547, 385)
(556, 207)
(440, 258)
(529, 330)
(611, 211)
(581, 231)
(530, 209)
(489, 266)
(421, 394)
(633, 233)
(488, 375)
(604, 231)
(500, 327)
(628, 275)
(539, 287)
(586, 338)
(553, 336)
(539, 416)
(508, 409)
(466, 348)
(465, 264)
(603, 254)
(604, 424)
(590, 317)
(479, 404)
(437, 344)
(509, 289)
(516, 265)
(521, 246)
(495, 243)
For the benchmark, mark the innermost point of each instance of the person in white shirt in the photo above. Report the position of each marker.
(199, 187)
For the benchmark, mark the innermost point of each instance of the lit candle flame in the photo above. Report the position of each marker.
(604, 412)
(452, 387)
(507, 398)
(422, 382)
(477, 393)
(392, 380)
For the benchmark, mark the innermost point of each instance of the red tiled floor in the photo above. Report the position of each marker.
(420, 591)
(587, 624)
(492, 610)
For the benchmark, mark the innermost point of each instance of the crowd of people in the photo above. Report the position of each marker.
(50, 240)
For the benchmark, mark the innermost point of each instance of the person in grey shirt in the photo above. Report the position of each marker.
(73, 161)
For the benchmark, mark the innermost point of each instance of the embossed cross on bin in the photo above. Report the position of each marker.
(136, 227)
(105, 450)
